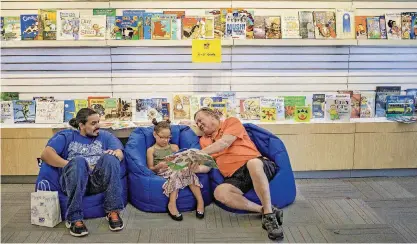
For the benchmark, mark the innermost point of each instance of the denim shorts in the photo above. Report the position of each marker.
(241, 177)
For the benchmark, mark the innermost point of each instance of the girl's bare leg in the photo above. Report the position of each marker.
(197, 193)
(172, 204)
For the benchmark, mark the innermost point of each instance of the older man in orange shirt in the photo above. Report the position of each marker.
(242, 165)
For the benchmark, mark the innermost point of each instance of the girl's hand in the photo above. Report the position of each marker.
(162, 167)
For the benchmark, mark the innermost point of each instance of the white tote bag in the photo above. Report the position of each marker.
(44, 206)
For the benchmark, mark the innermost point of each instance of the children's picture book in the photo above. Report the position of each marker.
(413, 33)
(393, 21)
(219, 108)
(142, 108)
(110, 109)
(176, 23)
(236, 25)
(97, 104)
(93, 27)
(192, 27)
(318, 106)
(259, 27)
(338, 107)
(124, 110)
(6, 112)
(250, 21)
(183, 158)
(181, 106)
(133, 24)
(325, 24)
(372, 27)
(12, 28)
(356, 105)
(9, 96)
(360, 27)
(273, 27)
(230, 99)
(110, 14)
(194, 105)
(49, 112)
(218, 31)
(406, 25)
(367, 109)
(290, 26)
(161, 27)
(412, 92)
(345, 23)
(29, 26)
(250, 108)
(69, 110)
(147, 25)
(290, 102)
(306, 24)
(47, 24)
(24, 111)
(207, 101)
(268, 109)
(383, 27)
(381, 98)
(2, 27)
(68, 22)
(400, 105)
(166, 110)
(302, 114)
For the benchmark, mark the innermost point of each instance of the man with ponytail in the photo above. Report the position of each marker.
(89, 163)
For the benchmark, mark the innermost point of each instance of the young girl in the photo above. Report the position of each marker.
(175, 179)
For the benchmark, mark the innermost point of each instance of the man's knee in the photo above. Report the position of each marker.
(110, 161)
(78, 164)
(222, 193)
(254, 164)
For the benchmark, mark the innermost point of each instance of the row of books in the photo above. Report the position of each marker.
(387, 101)
(236, 23)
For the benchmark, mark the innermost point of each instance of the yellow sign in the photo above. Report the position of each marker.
(207, 51)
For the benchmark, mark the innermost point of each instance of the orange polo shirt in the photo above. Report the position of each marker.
(237, 154)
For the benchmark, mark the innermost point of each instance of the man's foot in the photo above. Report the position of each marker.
(77, 229)
(270, 224)
(279, 214)
(115, 222)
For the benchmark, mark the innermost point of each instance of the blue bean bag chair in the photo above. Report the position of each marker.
(282, 186)
(145, 187)
(92, 204)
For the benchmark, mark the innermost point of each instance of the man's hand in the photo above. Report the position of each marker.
(116, 153)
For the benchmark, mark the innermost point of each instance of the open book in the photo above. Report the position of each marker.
(185, 157)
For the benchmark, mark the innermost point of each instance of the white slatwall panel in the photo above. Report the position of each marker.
(137, 72)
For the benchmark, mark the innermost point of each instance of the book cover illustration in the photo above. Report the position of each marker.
(219, 108)
(155, 108)
(93, 27)
(12, 28)
(181, 159)
(176, 23)
(194, 105)
(79, 104)
(306, 25)
(44, 99)
(290, 26)
(218, 30)
(325, 24)
(2, 27)
(142, 107)
(356, 105)
(9, 96)
(290, 102)
(133, 24)
(166, 110)
(110, 109)
(235, 25)
(413, 32)
(193, 27)
(181, 107)
(338, 107)
(24, 111)
(406, 25)
(302, 114)
(147, 25)
(318, 106)
(381, 98)
(49, 112)
(345, 22)
(250, 21)
(273, 27)
(110, 14)
(372, 27)
(360, 27)
(367, 109)
(47, 24)
(280, 108)
(393, 21)
(161, 28)
(208, 31)
(400, 105)
(250, 108)
(69, 110)
(230, 99)
(6, 112)
(97, 104)
(124, 109)
(207, 101)
(29, 26)
(259, 27)
(412, 92)
(383, 27)
(269, 107)
(68, 22)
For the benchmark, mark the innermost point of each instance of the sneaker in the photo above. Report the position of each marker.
(115, 222)
(270, 224)
(279, 213)
(77, 229)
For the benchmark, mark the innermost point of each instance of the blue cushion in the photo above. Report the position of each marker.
(282, 186)
(145, 187)
(92, 204)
